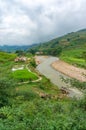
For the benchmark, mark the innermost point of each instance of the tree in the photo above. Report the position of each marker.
(33, 63)
(68, 39)
(32, 51)
(20, 53)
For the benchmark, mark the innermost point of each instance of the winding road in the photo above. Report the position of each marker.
(46, 69)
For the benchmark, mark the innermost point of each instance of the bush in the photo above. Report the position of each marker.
(27, 95)
(5, 92)
(33, 63)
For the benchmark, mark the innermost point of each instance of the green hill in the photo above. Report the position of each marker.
(36, 105)
(70, 48)
(71, 40)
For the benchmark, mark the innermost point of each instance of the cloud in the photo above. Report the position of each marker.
(32, 21)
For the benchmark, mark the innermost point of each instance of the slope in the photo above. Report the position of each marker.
(71, 48)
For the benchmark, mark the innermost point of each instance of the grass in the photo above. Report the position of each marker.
(74, 56)
(27, 110)
(24, 75)
(44, 86)
(6, 57)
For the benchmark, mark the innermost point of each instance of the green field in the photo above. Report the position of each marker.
(74, 57)
(24, 75)
(23, 106)
(42, 105)
(6, 57)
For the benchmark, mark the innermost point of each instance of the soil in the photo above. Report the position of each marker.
(70, 70)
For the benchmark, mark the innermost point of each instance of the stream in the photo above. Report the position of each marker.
(46, 69)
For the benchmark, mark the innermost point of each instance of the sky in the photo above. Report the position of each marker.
(24, 22)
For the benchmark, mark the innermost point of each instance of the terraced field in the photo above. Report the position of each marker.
(74, 57)
(24, 75)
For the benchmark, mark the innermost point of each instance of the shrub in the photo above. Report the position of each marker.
(5, 93)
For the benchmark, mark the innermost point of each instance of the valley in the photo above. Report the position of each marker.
(47, 68)
(35, 91)
(42, 64)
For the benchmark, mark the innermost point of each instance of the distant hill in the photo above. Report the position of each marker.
(13, 48)
(54, 47)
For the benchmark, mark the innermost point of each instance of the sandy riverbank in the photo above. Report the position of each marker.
(70, 70)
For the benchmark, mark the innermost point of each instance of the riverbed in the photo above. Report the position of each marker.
(46, 69)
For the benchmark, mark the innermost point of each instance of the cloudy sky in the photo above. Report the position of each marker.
(34, 21)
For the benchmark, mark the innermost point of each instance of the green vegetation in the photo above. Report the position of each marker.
(28, 111)
(70, 41)
(24, 75)
(75, 83)
(84, 55)
(33, 63)
(5, 91)
(5, 57)
(70, 48)
(74, 56)
(41, 105)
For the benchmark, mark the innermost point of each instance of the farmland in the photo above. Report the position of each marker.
(41, 105)
(74, 57)
(24, 75)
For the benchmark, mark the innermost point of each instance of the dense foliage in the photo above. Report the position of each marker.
(37, 105)
(6, 86)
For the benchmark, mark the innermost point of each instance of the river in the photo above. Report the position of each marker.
(46, 69)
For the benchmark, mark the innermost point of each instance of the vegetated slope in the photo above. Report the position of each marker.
(36, 105)
(75, 56)
(6, 57)
(71, 40)
(69, 47)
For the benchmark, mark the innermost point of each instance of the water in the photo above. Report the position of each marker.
(46, 69)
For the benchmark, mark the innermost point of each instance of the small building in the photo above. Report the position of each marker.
(39, 53)
(20, 59)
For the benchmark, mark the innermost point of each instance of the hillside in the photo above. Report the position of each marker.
(71, 40)
(13, 48)
(6, 57)
(35, 105)
(70, 48)
(28, 100)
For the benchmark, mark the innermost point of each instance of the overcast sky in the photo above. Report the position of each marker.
(34, 21)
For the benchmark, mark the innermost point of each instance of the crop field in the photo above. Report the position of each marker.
(74, 57)
(24, 75)
(6, 57)
(35, 105)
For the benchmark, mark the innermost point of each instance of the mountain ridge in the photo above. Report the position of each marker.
(68, 41)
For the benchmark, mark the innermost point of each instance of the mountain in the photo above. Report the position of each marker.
(68, 41)
(10, 48)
